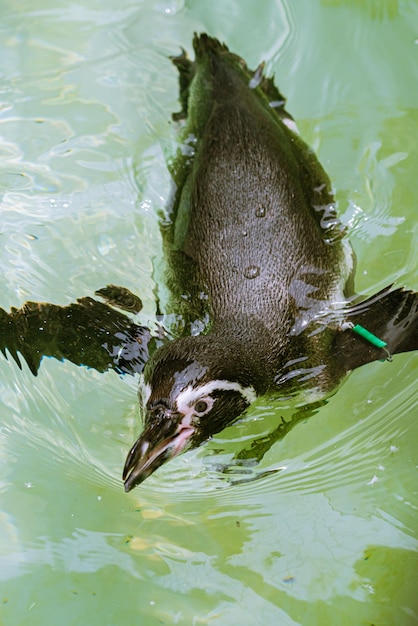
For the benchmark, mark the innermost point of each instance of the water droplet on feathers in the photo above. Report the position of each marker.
(260, 211)
(252, 271)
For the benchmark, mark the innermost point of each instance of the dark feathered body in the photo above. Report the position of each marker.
(253, 224)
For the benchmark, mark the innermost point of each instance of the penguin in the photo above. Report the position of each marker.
(255, 246)
(259, 268)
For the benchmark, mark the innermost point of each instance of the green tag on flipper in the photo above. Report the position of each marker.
(366, 334)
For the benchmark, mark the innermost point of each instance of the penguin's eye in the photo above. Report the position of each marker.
(201, 406)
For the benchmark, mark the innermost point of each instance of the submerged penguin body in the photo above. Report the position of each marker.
(254, 247)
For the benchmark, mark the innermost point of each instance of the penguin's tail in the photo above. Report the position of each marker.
(377, 328)
(207, 48)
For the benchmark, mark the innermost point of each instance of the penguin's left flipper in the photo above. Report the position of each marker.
(87, 332)
(391, 316)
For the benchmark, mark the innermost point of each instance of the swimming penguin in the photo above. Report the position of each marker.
(256, 245)
(256, 259)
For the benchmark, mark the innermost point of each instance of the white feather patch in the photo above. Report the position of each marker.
(190, 394)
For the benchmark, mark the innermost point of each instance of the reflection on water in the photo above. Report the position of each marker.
(325, 529)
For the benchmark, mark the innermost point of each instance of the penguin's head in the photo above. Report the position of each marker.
(193, 388)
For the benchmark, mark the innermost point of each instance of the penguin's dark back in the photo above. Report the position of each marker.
(254, 214)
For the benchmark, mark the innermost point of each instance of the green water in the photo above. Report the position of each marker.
(328, 533)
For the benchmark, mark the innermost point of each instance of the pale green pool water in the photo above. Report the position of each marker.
(86, 94)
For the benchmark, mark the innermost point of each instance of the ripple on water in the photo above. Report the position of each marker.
(356, 456)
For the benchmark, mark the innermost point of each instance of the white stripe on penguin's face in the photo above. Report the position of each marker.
(189, 395)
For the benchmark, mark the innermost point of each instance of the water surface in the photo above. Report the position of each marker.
(328, 533)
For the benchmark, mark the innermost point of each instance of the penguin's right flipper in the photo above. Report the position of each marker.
(87, 332)
(392, 316)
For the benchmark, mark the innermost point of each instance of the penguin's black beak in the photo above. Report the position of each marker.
(165, 436)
